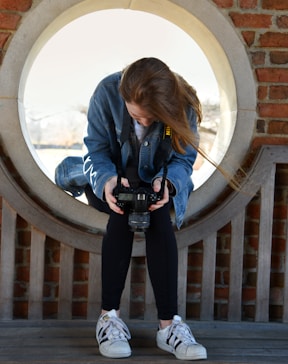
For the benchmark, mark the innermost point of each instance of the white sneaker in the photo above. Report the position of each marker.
(179, 340)
(112, 335)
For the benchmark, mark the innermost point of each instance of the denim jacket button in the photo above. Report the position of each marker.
(146, 143)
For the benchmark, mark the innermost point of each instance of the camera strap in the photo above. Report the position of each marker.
(161, 155)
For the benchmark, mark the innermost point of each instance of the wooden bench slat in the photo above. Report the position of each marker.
(66, 282)
(236, 267)
(285, 295)
(7, 262)
(265, 245)
(37, 260)
(182, 280)
(208, 278)
(94, 287)
(126, 297)
(150, 312)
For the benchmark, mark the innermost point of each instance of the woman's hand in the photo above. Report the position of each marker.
(110, 198)
(156, 188)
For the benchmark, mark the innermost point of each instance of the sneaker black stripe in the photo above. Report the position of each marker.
(103, 341)
(179, 343)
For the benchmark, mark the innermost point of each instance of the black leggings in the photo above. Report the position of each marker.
(162, 260)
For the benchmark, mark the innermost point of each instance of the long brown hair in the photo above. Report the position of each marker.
(150, 83)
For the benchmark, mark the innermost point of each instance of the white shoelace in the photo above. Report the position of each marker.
(180, 333)
(114, 329)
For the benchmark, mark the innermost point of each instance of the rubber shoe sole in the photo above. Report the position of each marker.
(196, 352)
(115, 350)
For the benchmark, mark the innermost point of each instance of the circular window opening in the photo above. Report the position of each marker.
(201, 21)
(64, 73)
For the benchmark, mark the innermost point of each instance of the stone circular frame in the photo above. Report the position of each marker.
(206, 25)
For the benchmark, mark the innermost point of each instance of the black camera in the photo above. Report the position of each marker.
(137, 202)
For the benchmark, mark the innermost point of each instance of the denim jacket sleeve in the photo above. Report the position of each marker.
(105, 111)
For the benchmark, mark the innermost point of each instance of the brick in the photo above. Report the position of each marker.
(273, 110)
(279, 228)
(81, 257)
(218, 275)
(221, 293)
(55, 255)
(195, 260)
(222, 311)
(279, 246)
(79, 309)
(261, 126)
(193, 310)
(137, 310)
(258, 58)
(226, 229)
(81, 274)
(249, 261)
(19, 256)
(223, 260)
(248, 4)
(138, 275)
(248, 311)
(279, 57)
(282, 21)
(19, 290)
(249, 37)
(278, 127)
(3, 39)
(276, 312)
(50, 309)
(21, 223)
(279, 75)
(275, 4)
(20, 309)
(194, 277)
(278, 92)
(276, 296)
(23, 274)
(80, 290)
(252, 228)
(9, 21)
(52, 274)
(251, 279)
(249, 294)
(251, 248)
(253, 211)
(269, 140)
(251, 20)
(138, 291)
(47, 291)
(24, 238)
(262, 92)
(282, 177)
(16, 5)
(273, 39)
(224, 3)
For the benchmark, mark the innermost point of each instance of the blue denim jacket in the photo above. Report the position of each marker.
(106, 107)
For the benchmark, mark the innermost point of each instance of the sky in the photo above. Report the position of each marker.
(69, 66)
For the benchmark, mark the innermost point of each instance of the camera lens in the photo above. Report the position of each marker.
(139, 221)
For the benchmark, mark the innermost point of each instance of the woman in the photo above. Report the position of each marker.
(127, 118)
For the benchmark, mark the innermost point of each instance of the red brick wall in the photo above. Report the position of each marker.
(262, 25)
